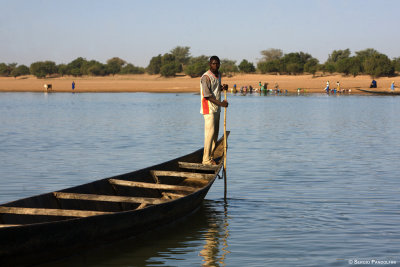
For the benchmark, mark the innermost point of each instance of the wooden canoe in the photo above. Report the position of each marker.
(53, 225)
(377, 92)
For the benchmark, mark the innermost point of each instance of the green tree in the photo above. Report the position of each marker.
(181, 54)
(20, 70)
(338, 55)
(167, 58)
(37, 69)
(3, 69)
(77, 63)
(50, 67)
(154, 65)
(197, 66)
(294, 68)
(6, 69)
(169, 65)
(269, 66)
(378, 65)
(289, 59)
(355, 66)
(131, 69)
(305, 57)
(43, 68)
(114, 65)
(351, 65)
(63, 69)
(75, 72)
(328, 67)
(364, 55)
(246, 66)
(95, 68)
(311, 66)
(170, 69)
(294, 62)
(343, 66)
(271, 54)
(228, 66)
(270, 61)
(75, 66)
(396, 63)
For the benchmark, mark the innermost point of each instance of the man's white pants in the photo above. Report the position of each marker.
(211, 129)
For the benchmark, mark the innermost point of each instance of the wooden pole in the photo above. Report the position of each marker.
(225, 183)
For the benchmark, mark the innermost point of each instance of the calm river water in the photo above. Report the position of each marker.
(312, 180)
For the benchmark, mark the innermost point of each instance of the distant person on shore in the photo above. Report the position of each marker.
(338, 86)
(276, 87)
(373, 84)
(392, 86)
(73, 85)
(327, 87)
(234, 90)
(210, 91)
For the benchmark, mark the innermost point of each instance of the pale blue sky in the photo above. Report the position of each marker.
(35, 30)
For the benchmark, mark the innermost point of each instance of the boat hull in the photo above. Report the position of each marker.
(49, 241)
(35, 242)
(380, 92)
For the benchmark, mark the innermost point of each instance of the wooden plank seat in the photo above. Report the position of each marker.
(192, 175)
(9, 225)
(107, 198)
(152, 186)
(172, 195)
(198, 166)
(50, 212)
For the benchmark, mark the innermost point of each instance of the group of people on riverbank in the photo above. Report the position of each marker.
(262, 89)
(375, 85)
(336, 90)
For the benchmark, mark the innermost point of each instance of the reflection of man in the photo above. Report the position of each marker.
(210, 90)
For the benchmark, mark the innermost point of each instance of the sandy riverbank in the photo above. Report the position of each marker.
(156, 84)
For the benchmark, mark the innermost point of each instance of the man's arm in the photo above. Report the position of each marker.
(212, 99)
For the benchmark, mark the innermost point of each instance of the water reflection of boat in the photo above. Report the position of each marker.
(205, 230)
(56, 224)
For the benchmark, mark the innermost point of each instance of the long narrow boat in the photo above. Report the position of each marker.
(377, 92)
(49, 226)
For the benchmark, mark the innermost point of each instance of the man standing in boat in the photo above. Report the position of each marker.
(210, 91)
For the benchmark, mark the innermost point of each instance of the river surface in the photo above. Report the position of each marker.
(312, 180)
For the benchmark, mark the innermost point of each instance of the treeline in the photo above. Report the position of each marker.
(178, 60)
(368, 61)
(77, 67)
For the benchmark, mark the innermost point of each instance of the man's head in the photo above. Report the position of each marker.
(214, 64)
